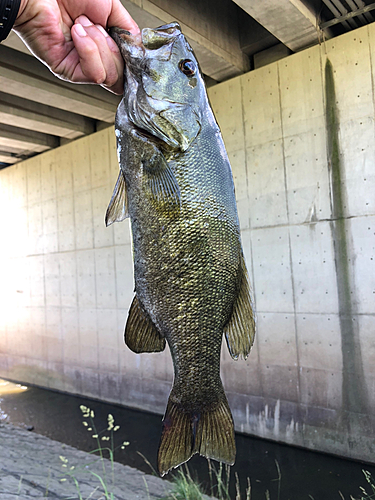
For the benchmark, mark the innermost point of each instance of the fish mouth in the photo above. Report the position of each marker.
(164, 35)
(120, 35)
(135, 45)
(130, 45)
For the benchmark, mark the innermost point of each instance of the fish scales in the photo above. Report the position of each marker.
(191, 282)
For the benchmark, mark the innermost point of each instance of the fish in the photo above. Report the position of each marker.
(191, 282)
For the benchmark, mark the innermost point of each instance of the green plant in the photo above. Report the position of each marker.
(365, 494)
(104, 436)
(221, 477)
(186, 488)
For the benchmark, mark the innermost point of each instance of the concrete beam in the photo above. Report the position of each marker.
(271, 55)
(17, 140)
(35, 67)
(8, 158)
(348, 16)
(290, 21)
(211, 28)
(31, 115)
(22, 75)
(254, 37)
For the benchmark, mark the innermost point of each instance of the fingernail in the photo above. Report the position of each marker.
(80, 30)
(85, 21)
(112, 45)
(100, 28)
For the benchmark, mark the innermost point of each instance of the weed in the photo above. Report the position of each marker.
(186, 488)
(365, 494)
(104, 436)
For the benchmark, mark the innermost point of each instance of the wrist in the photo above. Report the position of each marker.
(9, 10)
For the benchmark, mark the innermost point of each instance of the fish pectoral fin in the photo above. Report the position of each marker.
(162, 184)
(141, 335)
(208, 432)
(117, 209)
(240, 329)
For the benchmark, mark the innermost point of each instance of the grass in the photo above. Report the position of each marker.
(186, 488)
(365, 494)
(184, 485)
(106, 481)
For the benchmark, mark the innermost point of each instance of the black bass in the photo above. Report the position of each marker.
(191, 282)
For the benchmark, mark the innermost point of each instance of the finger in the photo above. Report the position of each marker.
(89, 67)
(114, 79)
(84, 20)
(113, 63)
(108, 13)
(121, 18)
(105, 65)
(118, 86)
(109, 54)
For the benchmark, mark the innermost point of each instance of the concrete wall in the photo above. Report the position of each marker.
(306, 202)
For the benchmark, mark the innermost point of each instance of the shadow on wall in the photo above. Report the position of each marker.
(354, 391)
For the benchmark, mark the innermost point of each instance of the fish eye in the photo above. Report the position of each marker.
(187, 67)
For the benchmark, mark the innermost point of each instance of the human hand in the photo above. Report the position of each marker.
(69, 37)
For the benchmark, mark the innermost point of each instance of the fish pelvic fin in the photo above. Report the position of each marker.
(240, 329)
(117, 209)
(141, 335)
(208, 432)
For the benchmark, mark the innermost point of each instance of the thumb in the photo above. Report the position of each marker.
(121, 18)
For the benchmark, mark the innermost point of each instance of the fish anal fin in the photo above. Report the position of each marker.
(240, 329)
(141, 335)
(208, 432)
(117, 209)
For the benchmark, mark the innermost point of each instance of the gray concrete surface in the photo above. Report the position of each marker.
(291, 21)
(32, 466)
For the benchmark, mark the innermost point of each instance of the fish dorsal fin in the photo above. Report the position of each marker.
(141, 335)
(117, 209)
(162, 185)
(240, 329)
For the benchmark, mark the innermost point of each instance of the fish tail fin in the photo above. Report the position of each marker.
(208, 432)
(215, 434)
(176, 440)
